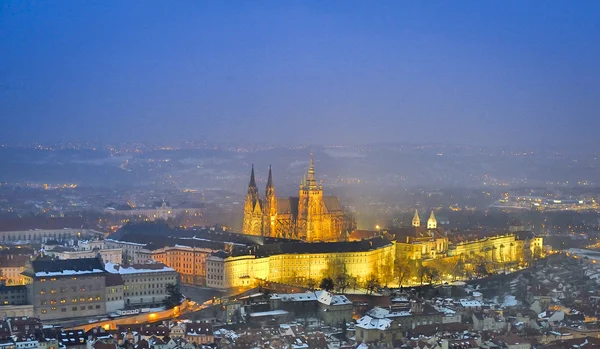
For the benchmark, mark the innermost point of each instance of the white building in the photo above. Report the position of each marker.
(144, 284)
(215, 272)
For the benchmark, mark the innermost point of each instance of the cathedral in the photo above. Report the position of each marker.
(310, 216)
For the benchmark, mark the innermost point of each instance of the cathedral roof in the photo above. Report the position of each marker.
(400, 234)
(332, 203)
(288, 205)
(321, 247)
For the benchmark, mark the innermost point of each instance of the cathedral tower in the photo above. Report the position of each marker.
(270, 207)
(432, 222)
(416, 221)
(252, 209)
(310, 206)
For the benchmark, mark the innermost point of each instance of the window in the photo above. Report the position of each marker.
(53, 308)
(43, 292)
(42, 280)
(64, 310)
(74, 309)
(44, 311)
(97, 307)
(90, 307)
(53, 291)
(74, 300)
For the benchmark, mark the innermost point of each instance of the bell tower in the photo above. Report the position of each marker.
(432, 222)
(416, 221)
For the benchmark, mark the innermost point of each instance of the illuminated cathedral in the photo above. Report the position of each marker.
(310, 216)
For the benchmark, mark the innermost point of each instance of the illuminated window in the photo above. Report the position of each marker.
(44, 311)
(53, 308)
(63, 300)
(43, 292)
(74, 300)
(53, 291)
(42, 280)
(82, 299)
(52, 279)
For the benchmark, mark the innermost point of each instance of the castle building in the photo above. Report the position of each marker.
(310, 216)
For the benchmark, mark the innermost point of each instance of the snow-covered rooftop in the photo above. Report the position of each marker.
(120, 269)
(369, 323)
(67, 272)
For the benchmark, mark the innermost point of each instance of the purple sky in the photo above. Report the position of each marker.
(321, 72)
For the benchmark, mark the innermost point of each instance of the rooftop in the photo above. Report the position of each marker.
(58, 267)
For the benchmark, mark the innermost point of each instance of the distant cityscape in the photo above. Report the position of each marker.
(468, 266)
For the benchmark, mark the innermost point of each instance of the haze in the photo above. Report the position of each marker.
(490, 73)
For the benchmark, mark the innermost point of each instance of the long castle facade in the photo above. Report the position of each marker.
(310, 216)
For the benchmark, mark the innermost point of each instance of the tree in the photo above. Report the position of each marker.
(342, 282)
(372, 283)
(353, 283)
(173, 296)
(387, 269)
(402, 270)
(335, 267)
(311, 284)
(434, 275)
(326, 284)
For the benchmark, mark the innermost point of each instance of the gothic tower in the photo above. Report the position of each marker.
(252, 209)
(310, 206)
(416, 221)
(270, 207)
(432, 222)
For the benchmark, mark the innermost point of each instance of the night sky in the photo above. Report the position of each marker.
(320, 72)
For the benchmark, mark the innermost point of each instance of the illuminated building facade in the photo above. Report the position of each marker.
(310, 216)
(296, 263)
(189, 262)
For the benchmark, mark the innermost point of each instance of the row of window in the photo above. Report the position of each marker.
(82, 288)
(141, 293)
(64, 310)
(73, 300)
(73, 278)
(143, 286)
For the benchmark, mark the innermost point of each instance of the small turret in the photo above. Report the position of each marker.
(432, 222)
(416, 221)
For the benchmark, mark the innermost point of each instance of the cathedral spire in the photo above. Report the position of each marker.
(416, 221)
(270, 180)
(252, 181)
(311, 181)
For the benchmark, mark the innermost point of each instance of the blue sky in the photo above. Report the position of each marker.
(320, 72)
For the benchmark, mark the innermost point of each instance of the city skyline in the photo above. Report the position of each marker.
(481, 73)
